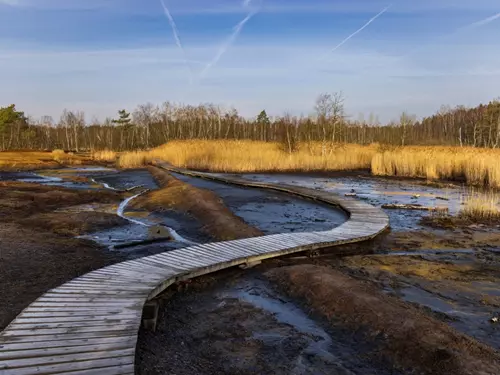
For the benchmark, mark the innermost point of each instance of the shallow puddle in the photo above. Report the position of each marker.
(378, 192)
(273, 212)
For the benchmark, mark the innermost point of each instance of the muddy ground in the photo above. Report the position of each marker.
(239, 323)
(38, 250)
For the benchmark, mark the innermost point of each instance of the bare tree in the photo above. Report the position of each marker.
(405, 121)
(330, 112)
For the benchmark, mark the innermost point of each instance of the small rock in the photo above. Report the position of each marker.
(494, 319)
(416, 196)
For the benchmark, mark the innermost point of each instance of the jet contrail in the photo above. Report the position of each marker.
(178, 40)
(229, 42)
(481, 23)
(360, 29)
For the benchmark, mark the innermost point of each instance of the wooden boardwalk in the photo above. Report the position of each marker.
(90, 324)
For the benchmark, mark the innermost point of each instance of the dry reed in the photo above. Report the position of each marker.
(475, 166)
(62, 157)
(105, 155)
(252, 156)
(481, 206)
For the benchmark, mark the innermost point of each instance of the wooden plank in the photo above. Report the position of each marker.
(79, 313)
(35, 345)
(65, 350)
(71, 357)
(14, 331)
(67, 336)
(77, 365)
(115, 370)
(73, 319)
(37, 326)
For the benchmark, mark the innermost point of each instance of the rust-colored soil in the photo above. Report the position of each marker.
(204, 205)
(408, 336)
(37, 248)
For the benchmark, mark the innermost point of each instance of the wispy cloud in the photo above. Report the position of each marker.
(178, 40)
(360, 29)
(228, 43)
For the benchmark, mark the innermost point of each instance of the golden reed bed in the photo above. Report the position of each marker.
(473, 166)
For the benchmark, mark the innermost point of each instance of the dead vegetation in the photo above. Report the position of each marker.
(105, 155)
(218, 221)
(254, 156)
(34, 160)
(408, 337)
(474, 166)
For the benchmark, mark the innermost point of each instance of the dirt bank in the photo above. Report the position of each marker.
(406, 335)
(218, 221)
(37, 248)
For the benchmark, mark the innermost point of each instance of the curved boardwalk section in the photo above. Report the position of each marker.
(90, 324)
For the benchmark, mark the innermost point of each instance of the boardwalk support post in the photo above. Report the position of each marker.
(150, 315)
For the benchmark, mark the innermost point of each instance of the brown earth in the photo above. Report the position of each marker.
(37, 248)
(218, 220)
(407, 336)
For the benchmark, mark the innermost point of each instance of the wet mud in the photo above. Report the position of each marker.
(240, 324)
(460, 288)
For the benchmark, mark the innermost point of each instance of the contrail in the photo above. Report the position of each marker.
(468, 27)
(360, 29)
(178, 40)
(481, 23)
(229, 42)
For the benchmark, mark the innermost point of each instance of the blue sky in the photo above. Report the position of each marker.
(102, 55)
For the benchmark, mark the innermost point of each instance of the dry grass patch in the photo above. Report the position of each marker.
(218, 221)
(481, 206)
(475, 166)
(24, 160)
(253, 156)
(105, 156)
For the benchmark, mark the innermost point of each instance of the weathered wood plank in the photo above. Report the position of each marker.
(92, 364)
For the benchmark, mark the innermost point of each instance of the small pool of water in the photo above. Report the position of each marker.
(378, 191)
(270, 211)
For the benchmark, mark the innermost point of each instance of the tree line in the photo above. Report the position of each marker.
(150, 125)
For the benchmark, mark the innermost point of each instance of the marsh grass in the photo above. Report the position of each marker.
(63, 157)
(105, 155)
(253, 156)
(474, 166)
(479, 206)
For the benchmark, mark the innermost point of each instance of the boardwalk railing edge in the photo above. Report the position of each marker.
(89, 325)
